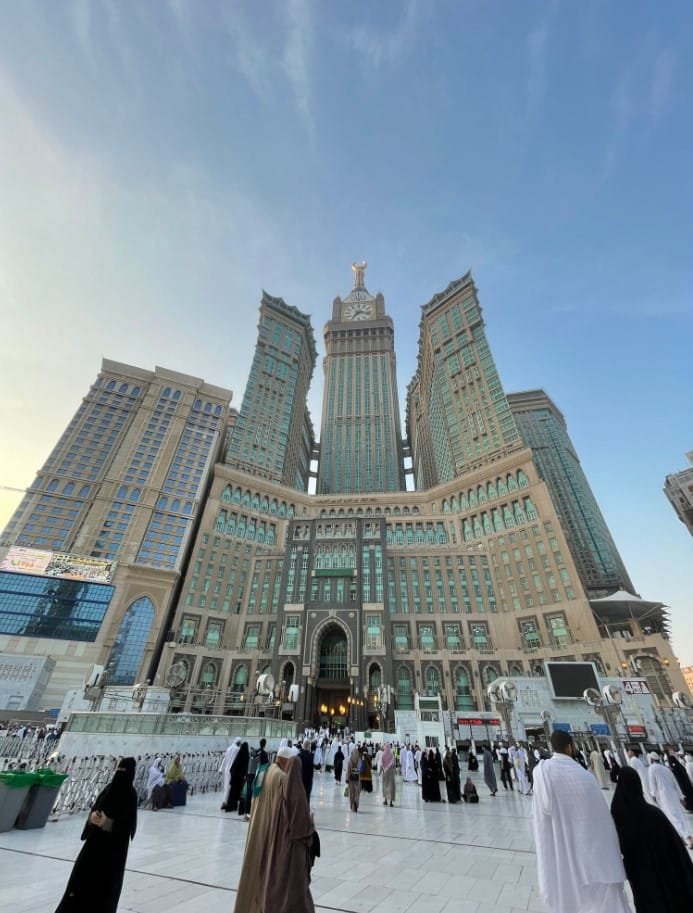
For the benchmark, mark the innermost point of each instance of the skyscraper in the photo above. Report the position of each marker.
(115, 504)
(543, 428)
(458, 418)
(679, 490)
(273, 435)
(360, 435)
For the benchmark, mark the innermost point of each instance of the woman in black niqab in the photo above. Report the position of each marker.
(96, 879)
(655, 858)
(238, 773)
(682, 778)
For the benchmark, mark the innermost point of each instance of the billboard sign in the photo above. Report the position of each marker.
(570, 680)
(58, 564)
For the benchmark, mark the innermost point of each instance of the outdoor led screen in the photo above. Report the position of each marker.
(569, 680)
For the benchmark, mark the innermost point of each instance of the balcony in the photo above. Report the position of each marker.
(400, 645)
(563, 642)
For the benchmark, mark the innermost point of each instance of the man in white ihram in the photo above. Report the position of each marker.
(578, 856)
(667, 796)
(638, 766)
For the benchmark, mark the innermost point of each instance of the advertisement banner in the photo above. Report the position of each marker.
(635, 687)
(57, 564)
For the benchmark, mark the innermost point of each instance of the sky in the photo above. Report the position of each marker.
(161, 163)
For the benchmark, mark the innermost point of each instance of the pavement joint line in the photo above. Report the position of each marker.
(202, 884)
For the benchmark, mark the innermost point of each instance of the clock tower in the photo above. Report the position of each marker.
(360, 437)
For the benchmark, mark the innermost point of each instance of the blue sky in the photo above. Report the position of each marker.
(161, 163)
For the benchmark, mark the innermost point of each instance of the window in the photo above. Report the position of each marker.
(291, 631)
(130, 642)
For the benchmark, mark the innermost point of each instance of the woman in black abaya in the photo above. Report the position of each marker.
(238, 773)
(657, 863)
(97, 875)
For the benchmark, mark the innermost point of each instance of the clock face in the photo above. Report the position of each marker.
(360, 310)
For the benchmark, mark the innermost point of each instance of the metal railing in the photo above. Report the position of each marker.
(182, 724)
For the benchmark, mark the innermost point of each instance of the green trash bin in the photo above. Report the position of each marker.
(14, 788)
(40, 799)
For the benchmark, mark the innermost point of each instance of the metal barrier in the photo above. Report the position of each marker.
(88, 776)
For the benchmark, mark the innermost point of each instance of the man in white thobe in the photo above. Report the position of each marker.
(638, 766)
(417, 761)
(520, 765)
(667, 796)
(407, 762)
(597, 768)
(578, 856)
(226, 762)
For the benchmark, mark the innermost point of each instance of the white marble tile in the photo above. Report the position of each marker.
(414, 858)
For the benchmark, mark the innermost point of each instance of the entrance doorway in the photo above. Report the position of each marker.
(333, 687)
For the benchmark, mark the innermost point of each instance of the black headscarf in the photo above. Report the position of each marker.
(240, 762)
(682, 778)
(119, 800)
(657, 863)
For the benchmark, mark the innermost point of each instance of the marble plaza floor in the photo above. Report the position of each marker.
(414, 857)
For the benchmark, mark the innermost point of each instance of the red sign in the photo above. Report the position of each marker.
(475, 721)
(637, 730)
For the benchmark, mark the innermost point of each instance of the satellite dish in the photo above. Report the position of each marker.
(613, 694)
(682, 700)
(592, 696)
(176, 675)
(265, 684)
(508, 691)
(293, 693)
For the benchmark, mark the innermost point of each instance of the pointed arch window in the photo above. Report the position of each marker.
(128, 649)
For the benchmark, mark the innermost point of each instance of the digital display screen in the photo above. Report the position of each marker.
(570, 680)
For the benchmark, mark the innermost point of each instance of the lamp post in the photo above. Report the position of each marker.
(503, 694)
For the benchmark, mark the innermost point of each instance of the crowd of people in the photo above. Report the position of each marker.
(585, 850)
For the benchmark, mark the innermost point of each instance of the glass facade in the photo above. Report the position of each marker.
(543, 428)
(35, 606)
(128, 649)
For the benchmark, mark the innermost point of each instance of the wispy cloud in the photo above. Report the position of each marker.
(660, 94)
(248, 55)
(296, 58)
(385, 49)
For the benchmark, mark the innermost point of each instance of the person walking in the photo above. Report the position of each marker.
(366, 772)
(225, 766)
(657, 863)
(490, 771)
(637, 765)
(237, 775)
(506, 770)
(387, 774)
(666, 793)
(305, 756)
(338, 763)
(578, 856)
(275, 875)
(354, 779)
(597, 768)
(96, 879)
(452, 780)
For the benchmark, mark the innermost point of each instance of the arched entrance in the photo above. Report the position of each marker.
(333, 686)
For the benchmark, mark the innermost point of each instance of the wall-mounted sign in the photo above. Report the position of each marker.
(57, 564)
(476, 721)
(637, 730)
(635, 687)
